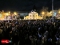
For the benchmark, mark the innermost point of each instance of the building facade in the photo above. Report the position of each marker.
(8, 15)
(33, 16)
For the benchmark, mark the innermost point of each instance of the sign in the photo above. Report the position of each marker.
(54, 14)
(5, 41)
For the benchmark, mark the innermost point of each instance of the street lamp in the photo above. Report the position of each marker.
(7, 14)
(59, 11)
(43, 13)
(15, 13)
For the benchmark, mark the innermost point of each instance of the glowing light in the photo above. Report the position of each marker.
(4, 41)
(0, 15)
(15, 13)
(43, 13)
(50, 12)
(54, 14)
(59, 11)
(7, 14)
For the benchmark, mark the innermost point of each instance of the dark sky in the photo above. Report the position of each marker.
(27, 5)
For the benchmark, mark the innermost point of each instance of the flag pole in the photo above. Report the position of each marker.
(52, 12)
(52, 8)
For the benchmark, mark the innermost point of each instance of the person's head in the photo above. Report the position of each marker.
(15, 33)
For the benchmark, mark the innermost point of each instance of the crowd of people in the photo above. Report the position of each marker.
(31, 32)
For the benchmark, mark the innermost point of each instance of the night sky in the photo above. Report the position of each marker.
(27, 5)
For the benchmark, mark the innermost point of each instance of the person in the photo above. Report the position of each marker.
(1, 32)
(15, 39)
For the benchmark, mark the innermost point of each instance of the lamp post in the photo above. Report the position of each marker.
(43, 14)
(52, 12)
